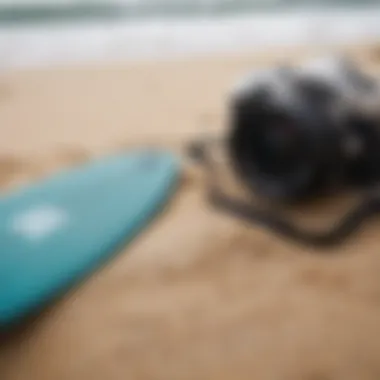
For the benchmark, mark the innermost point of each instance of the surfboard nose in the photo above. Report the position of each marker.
(55, 232)
(156, 159)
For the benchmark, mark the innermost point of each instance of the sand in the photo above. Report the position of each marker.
(198, 295)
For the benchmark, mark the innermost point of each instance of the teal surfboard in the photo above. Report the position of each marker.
(56, 232)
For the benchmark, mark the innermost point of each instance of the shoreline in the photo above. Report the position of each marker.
(42, 46)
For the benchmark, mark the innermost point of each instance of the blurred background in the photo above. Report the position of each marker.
(199, 296)
(47, 32)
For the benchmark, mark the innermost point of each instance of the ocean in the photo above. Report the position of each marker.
(40, 34)
(12, 11)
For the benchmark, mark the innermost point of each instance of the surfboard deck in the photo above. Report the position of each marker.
(54, 233)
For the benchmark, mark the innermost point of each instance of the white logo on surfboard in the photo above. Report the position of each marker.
(39, 222)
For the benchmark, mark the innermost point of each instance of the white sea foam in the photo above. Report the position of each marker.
(163, 38)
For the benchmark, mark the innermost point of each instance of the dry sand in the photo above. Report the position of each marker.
(199, 295)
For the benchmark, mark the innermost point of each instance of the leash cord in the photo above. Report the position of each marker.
(369, 206)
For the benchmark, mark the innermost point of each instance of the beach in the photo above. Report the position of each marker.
(199, 295)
